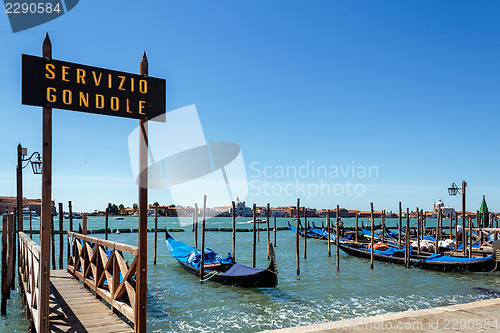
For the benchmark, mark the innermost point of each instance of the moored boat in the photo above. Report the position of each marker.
(222, 270)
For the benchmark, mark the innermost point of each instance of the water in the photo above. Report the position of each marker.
(178, 303)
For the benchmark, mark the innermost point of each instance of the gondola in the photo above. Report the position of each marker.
(436, 262)
(223, 270)
(310, 233)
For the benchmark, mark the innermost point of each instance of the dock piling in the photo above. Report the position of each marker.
(61, 217)
(234, 232)
(202, 250)
(373, 236)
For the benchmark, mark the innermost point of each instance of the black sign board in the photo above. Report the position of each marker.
(70, 86)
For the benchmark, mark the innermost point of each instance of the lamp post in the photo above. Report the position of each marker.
(37, 169)
(453, 190)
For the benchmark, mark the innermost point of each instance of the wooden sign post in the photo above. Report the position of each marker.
(52, 83)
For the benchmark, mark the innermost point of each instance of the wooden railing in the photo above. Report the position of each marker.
(102, 266)
(29, 272)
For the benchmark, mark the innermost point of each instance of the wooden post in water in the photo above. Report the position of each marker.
(234, 233)
(106, 224)
(5, 283)
(70, 209)
(496, 227)
(383, 225)
(13, 249)
(275, 229)
(202, 250)
(31, 226)
(451, 225)
(400, 220)
(418, 230)
(258, 228)
(254, 244)
(268, 215)
(407, 238)
(53, 242)
(356, 229)
(156, 235)
(337, 237)
(297, 257)
(10, 253)
(305, 233)
(195, 225)
(328, 232)
(470, 237)
(84, 224)
(373, 236)
(61, 243)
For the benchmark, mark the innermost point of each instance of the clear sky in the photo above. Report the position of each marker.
(408, 88)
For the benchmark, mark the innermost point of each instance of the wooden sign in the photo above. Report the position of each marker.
(70, 86)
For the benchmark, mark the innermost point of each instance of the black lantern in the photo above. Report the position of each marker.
(453, 190)
(35, 164)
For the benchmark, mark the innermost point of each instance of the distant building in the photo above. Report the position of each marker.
(446, 211)
(241, 209)
(7, 205)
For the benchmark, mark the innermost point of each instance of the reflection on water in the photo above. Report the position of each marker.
(177, 302)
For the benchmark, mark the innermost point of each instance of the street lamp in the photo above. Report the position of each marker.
(36, 164)
(453, 190)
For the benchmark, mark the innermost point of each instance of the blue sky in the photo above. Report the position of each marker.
(408, 87)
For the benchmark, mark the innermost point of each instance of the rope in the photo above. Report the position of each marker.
(209, 276)
(415, 263)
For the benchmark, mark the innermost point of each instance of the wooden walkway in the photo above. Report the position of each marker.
(74, 309)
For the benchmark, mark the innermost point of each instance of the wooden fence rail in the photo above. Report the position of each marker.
(100, 264)
(29, 273)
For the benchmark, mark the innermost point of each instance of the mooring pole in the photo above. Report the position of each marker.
(234, 232)
(53, 243)
(106, 223)
(31, 226)
(373, 236)
(356, 229)
(400, 220)
(305, 233)
(70, 209)
(202, 250)
(142, 280)
(5, 283)
(328, 232)
(418, 230)
(469, 242)
(254, 245)
(407, 238)
(297, 256)
(268, 215)
(464, 185)
(156, 234)
(61, 243)
(275, 227)
(337, 237)
(12, 253)
(195, 225)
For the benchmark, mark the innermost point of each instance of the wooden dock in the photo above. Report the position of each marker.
(74, 309)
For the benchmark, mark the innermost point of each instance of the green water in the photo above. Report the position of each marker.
(178, 303)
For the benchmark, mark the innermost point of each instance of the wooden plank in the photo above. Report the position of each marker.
(74, 309)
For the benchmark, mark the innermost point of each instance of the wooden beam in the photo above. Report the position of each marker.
(142, 280)
(46, 205)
